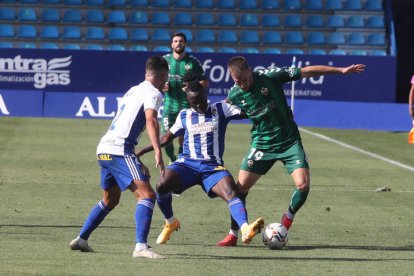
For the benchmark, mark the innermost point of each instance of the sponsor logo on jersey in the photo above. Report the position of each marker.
(243, 102)
(187, 67)
(39, 71)
(298, 162)
(264, 91)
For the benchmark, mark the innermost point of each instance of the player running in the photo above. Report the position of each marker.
(204, 127)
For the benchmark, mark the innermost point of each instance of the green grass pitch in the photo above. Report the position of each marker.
(49, 182)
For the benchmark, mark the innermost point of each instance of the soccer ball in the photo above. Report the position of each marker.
(275, 235)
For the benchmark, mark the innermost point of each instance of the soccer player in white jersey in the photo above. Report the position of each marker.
(120, 168)
(204, 127)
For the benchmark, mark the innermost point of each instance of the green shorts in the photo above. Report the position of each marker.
(261, 161)
(168, 120)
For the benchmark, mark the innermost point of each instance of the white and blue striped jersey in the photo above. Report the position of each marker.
(204, 133)
(129, 122)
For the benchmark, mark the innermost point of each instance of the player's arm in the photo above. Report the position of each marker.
(318, 70)
(153, 134)
(165, 139)
(411, 102)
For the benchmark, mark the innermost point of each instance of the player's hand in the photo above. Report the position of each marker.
(159, 163)
(184, 88)
(166, 87)
(354, 68)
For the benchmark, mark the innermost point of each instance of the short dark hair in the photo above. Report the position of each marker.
(156, 63)
(237, 65)
(195, 87)
(180, 35)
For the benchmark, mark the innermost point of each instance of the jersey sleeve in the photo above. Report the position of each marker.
(177, 128)
(152, 100)
(283, 74)
(230, 111)
(198, 69)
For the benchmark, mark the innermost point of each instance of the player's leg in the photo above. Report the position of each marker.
(180, 144)
(168, 120)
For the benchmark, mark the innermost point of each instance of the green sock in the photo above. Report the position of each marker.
(297, 200)
(169, 150)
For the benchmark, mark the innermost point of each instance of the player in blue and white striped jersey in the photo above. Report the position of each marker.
(204, 128)
(120, 168)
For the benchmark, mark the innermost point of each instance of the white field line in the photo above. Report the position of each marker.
(329, 139)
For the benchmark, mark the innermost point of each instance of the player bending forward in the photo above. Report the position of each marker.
(204, 128)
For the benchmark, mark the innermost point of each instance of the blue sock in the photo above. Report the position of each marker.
(143, 217)
(237, 210)
(96, 216)
(165, 204)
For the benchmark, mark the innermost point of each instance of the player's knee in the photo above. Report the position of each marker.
(162, 187)
(303, 185)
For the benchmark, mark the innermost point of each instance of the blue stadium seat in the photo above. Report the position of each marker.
(272, 51)
(204, 4)
(359, 53)
(227, 19)
(116, 47)
(227, 50)
(51, 2)
(72, 16)
(356, 38)
(316, 52)
(272, 37)
(183, 18)
(28, 1)
(160, 18)
(118, 34)
(188, 49)
(336, 38)
(27, 14)
(270, 20)
(188, 34)
(140, 48)
(72, 2)
(71, 46)
(294, 38)
(313, 5)
(226, 4)
(205, 50)
(292, 5)
(293, 21)
(248, 5)
(315, 21)
(378, 53)
(49, 45)
(7, 14)
(71, 32)
(116, 17)
(6, 30)
(294, 51)
(139, 35)
(50, 15)
(49, 32)
(355, 21)
(94, 47)
(373, 5)
(161, 35)
(94, 3)
(376, 39)
(27, 31)
(316, 38)
(376, 22)
(94, 16)
(204, 19)
(162, 48)
(206, 36)
(138, 3)
(138, 17)
(6, 44)
(186, 4)
(95, 33)
(249, 37)
(335, 21)
(334, 5)
(161, 3)
(250, 50)
(117, 3)
(227, 36)
(27, 45)
(353, 5)
(270, 4)
(249, 20)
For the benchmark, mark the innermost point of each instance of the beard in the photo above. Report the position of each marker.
(179, 50)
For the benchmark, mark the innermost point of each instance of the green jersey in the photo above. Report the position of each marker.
(266, 106)
(175, 99)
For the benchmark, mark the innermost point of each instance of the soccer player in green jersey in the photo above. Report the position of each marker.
(274, 135)
(180, 64)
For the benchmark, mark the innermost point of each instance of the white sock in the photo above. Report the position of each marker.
(170, 220)
(234, 232)
(140, 246)
(290, 215)
(243, 225)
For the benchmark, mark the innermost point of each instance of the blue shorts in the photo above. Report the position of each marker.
(119, 170)
(198, 172)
